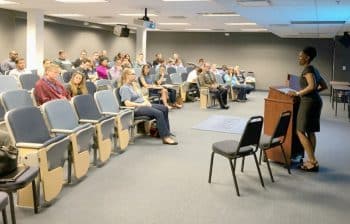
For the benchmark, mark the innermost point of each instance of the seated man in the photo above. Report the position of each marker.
(9, 63)
(48, 87)
(20, 68)
(191, 84)
(63, 62)
(207, 79)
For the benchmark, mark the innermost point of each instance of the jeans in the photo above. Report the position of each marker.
(158, 112)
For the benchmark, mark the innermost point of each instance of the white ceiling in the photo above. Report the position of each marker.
(275, 18)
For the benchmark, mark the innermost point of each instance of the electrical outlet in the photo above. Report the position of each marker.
(344, 67)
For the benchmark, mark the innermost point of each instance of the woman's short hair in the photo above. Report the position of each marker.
(311, 52)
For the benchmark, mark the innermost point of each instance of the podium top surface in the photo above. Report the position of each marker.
(280, 93)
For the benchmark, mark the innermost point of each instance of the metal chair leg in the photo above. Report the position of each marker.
(12, 208)
(242, 165)
(257, 166)
(4, 216)
(261, 149)
(269, 167)
(211, 166)
(35, 196)
(233, 167)
(285, 159)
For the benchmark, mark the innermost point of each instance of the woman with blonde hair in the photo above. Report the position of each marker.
(77, 84)
(131, 98)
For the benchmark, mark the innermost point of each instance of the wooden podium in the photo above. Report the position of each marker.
(276, 103)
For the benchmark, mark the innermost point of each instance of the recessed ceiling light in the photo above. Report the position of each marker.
(254, 30)
(82, 1)
(240, 24)
(137, 14)
(198, 29)
(219, 14)
(3, 2)
(66, 15)
(174, 24)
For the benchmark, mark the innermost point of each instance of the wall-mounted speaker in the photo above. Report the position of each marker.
(345, 39)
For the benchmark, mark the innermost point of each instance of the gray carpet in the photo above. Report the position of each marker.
(153, 183)
(221, 123)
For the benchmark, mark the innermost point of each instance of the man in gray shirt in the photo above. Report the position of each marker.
(9, 64)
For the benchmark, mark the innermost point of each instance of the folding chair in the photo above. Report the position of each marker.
(246, 146)
(276, 140)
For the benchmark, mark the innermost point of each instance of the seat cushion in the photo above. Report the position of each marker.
(265, 142)
(228, 148)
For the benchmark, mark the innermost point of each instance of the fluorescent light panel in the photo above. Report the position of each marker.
(240, 24)
(174, 24)
(114, 23)
(66, 15)
(254, 30)
(218, 14)
(137, 14)
(82, 1)
(198, 29)
(3, 2)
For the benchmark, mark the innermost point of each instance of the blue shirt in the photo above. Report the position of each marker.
(127, 92)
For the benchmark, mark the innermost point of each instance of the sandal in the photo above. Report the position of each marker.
(310, 166)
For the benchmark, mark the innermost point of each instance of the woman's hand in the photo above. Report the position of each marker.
(292, 93)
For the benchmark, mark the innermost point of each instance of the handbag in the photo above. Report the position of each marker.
(8, 159)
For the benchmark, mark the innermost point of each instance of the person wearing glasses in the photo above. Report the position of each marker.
(48, 87)
(131, 97)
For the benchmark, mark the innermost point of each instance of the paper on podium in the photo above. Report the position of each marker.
(285, 90)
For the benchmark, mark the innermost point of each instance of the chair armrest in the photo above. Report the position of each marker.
(88, 121)
(65, 131)
(110, 113)
(29, 145)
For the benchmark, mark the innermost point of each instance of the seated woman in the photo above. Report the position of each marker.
(131, 98)
(48, 87)
(231, 78)
(77, 84)
(160, 80)
(147, 82)
(102, 69)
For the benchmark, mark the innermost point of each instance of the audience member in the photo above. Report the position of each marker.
(77, 62)
(131, 98)
(147, 83)
(116, 71)
(20, 68)
(48, 87)
(207, 79)
(140, 61)
(159, 80)
(95, 59)
(63, 62)
(232, 80)
(77, 84)
(102, 69)
(86, 68)
(9, 63)
(157, 59)
(41, 71)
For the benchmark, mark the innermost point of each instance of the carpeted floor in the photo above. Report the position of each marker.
(153, 183)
